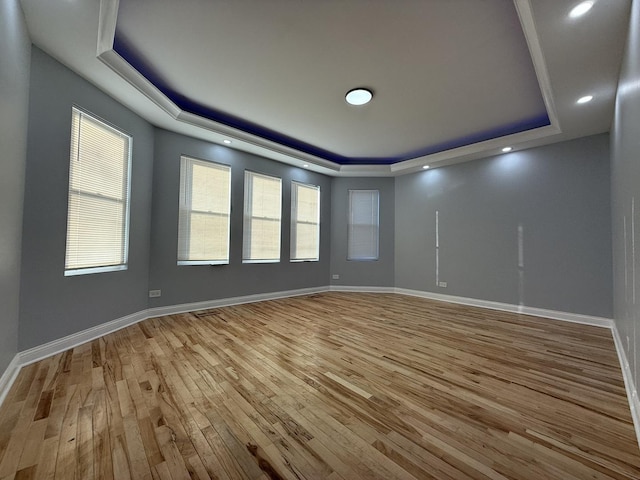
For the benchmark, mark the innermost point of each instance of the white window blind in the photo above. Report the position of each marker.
(363, 225)
(262, 215)
(98, 210)
(205, 204)
(305, 222)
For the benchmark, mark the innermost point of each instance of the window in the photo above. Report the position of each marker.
(98, 211)
(363, 225)
(262, 212)
(305, 222)
(205, 204)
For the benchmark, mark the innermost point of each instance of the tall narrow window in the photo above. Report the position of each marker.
(262, 215)
(305, 222)
(205, 204)
(98, 209)
(363, 227)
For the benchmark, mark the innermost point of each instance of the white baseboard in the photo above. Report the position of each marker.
(364, 289)
(60, 345)
(9, 376)
(48, 349)
(629, 384)
(508, 307)
(227, 302)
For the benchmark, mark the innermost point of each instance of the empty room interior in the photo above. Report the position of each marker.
(319, 240)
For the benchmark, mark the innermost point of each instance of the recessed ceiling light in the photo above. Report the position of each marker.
(425, 167)
(581, 9)
(507, 149)
(585, 99)
(359, 96)
(306, 165)
(227, 141)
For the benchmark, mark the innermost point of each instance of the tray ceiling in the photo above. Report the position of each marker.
(452, 80)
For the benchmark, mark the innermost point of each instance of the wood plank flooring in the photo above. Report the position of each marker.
(328, 386)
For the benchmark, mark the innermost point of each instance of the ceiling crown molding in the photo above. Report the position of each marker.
(255, 144)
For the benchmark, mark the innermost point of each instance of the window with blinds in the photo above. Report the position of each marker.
(305, 222)
(205, 205)
(363, 225)
(262, 215)
(98, 209)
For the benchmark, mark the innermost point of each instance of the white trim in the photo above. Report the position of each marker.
(107, 20)
(362, 289)
(54, 347)
(629, 384)
(527, 21)
(508, 307)
(9, 376)
(227, 302)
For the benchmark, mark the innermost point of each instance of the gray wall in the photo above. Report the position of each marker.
(625, 178)
(379, 273)
(14, 103)
(559, 195)
(184, 284)
(52, 305)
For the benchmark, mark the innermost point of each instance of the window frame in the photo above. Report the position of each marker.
(248, 217)
(295, 222)
(376, 225)
(185, 198)
(126, 191)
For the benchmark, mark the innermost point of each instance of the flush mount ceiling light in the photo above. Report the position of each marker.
(585, 99)
(306, 165)
(426, 167)
(581, 9)
(358, 96)
(507, 149)
(228, 142)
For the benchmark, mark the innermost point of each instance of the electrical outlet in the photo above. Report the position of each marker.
(155, 293)
(335, 276)
(442, 284)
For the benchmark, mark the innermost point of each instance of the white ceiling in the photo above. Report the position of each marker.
(442, 71)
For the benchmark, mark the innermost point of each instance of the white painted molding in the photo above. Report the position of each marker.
(9, 376)
(107, 20)
(508, 307)
(363, 289)
(48, 349)
(629, 384)
(227, 302)
(527, 21)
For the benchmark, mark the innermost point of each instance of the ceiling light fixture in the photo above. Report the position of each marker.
(425, 167)
(585, 99)
(581, 9)
(306, 165)
(507, 149)
(358, 96)
(228, 142)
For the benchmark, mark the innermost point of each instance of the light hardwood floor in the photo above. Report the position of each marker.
(336, 386)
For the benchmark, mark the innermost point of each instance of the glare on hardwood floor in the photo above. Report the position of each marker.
(328, 386)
